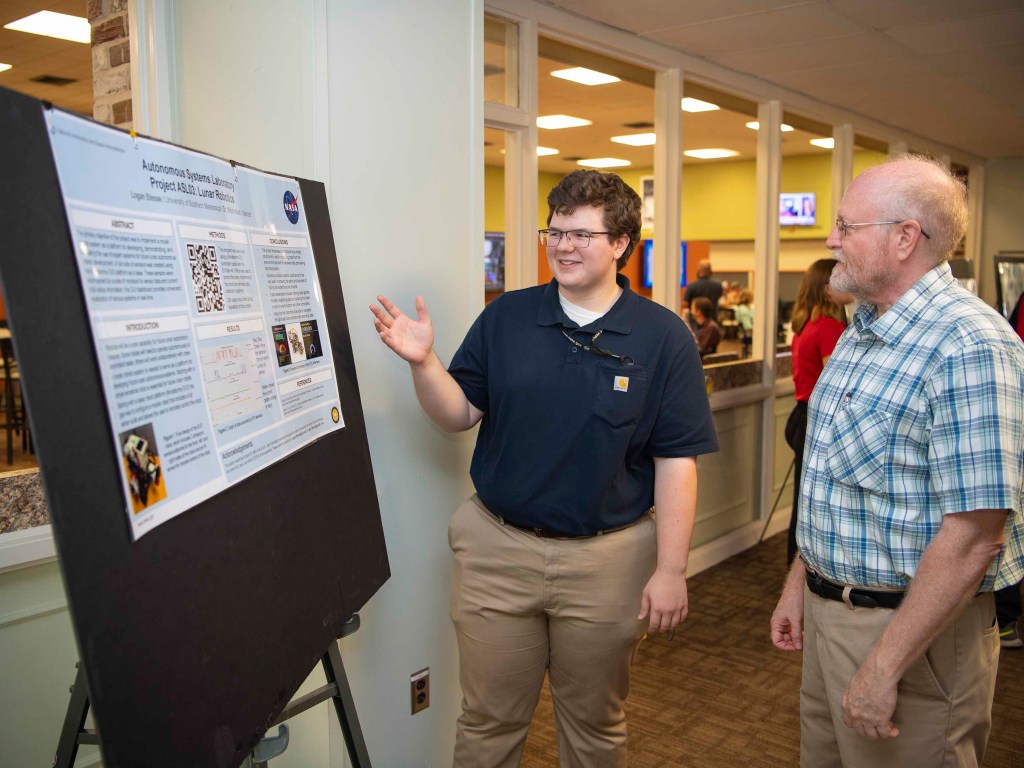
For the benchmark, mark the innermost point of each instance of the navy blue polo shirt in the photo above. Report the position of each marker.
(568, 437)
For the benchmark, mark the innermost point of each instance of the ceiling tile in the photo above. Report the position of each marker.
(813, 54)
(1005, 84)
(979, 62)
(644, 16)
(886, 14)
(952, 36)
(768, 29)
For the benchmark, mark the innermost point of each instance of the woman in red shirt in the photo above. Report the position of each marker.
(818, 320)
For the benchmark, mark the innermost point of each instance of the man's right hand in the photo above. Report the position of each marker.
(412, 340)
(787, 621)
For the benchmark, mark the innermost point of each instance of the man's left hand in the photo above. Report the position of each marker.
(869, 704)
(665, 600)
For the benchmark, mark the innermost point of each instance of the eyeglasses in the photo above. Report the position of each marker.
(844, 227)
(578, 238)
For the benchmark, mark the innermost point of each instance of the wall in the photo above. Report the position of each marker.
(37, 665)
(408, 222)
(111, 75)
(1003, 226)
(316, 90)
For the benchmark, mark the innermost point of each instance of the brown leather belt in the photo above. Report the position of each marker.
(548, 533)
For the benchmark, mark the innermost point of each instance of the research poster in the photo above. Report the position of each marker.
(205, 309)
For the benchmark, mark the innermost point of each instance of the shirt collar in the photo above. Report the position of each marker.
(618, 319)
(891, 326)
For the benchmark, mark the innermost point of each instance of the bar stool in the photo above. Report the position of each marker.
(15, 419)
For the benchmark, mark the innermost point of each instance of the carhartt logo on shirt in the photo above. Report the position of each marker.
(621, 383)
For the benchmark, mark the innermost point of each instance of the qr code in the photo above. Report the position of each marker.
(206, 278)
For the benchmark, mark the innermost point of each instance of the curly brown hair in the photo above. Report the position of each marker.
(620, 205)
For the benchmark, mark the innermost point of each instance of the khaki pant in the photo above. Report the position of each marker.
(523, 605)
(944, 706)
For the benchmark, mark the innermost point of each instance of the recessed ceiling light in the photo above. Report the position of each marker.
(545, 151)
(554, 122)
(635, 139)
(710, 154)
(755, 125)
(824, 143)
(585, 76)
(4, 67)
(696, 105)
(603, 162)
(59, 25)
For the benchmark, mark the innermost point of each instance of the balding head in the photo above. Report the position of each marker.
(918, 188)
(704, 268)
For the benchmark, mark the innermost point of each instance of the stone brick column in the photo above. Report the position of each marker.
(111, 54)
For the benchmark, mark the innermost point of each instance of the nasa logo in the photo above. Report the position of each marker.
(291, 207)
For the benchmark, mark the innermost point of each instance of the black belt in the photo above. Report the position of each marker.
(548, 533)
(861, 597)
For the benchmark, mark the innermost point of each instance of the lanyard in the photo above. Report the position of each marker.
(624, 359)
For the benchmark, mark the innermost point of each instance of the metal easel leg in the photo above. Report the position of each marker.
(346, 708)
(776, 504)
(74, 720)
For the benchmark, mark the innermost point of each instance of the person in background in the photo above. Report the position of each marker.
(1008, 602)
(818, 320)
(703, 326)
(705, 286)
(592, 410)
(911, 511)
(730, 295)
(744, 311)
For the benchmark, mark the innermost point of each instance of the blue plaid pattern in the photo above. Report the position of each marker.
(919, 413)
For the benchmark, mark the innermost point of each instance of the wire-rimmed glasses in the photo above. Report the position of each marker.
(578, 238)
(845, 227)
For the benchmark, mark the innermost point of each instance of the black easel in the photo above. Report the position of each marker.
(337, 688)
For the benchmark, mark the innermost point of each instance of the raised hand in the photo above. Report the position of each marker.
(412, 340)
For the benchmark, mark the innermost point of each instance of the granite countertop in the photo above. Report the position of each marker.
(21, 501)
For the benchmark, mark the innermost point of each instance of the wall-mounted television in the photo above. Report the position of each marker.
(796, 209)
(647, 272)
(494, 261)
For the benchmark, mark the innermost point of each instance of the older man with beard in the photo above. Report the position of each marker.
(911, 497)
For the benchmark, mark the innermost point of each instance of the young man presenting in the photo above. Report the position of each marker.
(592, 411)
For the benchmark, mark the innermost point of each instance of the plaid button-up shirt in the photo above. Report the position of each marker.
(918, 414)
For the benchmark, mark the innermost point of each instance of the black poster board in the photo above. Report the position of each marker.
(195, 636)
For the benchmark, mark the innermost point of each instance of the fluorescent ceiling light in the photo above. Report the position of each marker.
(544, 151)
(603, 162)
(755, 125)
(554, 122)
(635, 139)
(824, 143)
(4, 67)
(59, 25)
(710, 154)
(696, 105)
(585, 76)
